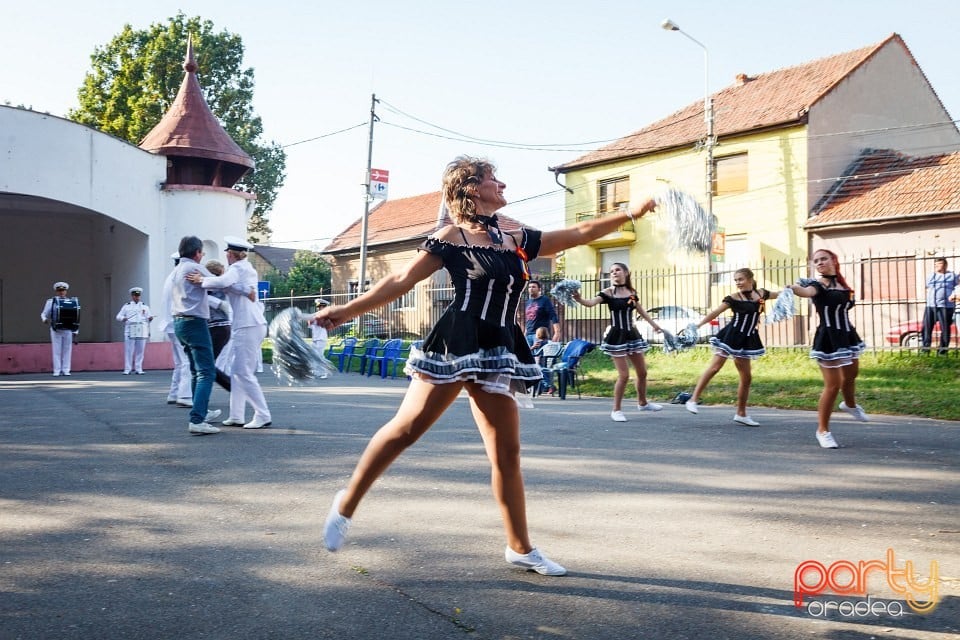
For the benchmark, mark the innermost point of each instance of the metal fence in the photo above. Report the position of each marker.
(890, 293)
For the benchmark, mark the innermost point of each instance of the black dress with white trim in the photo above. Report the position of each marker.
(836, 342)
(621, 337)
(477, 337)
(739, 338)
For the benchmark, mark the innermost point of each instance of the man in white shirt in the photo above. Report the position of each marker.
(61, 332)
(136, 318)
(247, 333)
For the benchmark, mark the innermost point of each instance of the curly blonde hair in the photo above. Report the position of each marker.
(460, 181)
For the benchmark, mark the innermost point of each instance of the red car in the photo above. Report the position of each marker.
(907, 334)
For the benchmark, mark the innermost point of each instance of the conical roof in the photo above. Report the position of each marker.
(189, 129)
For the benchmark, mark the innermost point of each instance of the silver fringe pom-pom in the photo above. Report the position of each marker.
(782, 308)
(563, 291)
(691, 228)
(670, 343)
(294, 360)
(689, 336)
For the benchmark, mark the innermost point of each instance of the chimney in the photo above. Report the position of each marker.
(743, 79)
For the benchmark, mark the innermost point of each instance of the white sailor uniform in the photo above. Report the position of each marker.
(135, 317)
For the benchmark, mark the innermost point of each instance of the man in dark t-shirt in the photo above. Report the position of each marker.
(540, 312)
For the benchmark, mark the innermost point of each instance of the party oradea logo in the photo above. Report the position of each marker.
(851, 580)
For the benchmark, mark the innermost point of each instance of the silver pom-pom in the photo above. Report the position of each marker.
(294, 360)
(782, 307)
(670, 343)
(689, 336)
(691, 228)
(563, 291)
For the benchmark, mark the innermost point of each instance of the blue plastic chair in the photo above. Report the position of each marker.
(389, 353)
(342, 353)
(369, 351)
(566, 369)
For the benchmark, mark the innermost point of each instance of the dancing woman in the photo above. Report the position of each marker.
(836, 344)
(621, 341)
(738, 340)
(476, 346)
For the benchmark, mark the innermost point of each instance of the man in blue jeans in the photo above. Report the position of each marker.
(940, 307)
(190, 314)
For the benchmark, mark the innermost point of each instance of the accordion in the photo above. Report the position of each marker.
(66, 313)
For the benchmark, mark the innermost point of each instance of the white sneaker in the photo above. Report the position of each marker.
(857, 412)
(212, 415)
(202, 429)
(232, 422)
(171, 399)
(534, 561)
(336, 527)
(650, 406)
(258, 423)
(826, 440)
(617, 416)
(691, 406)
(746, 421)
(184, 403)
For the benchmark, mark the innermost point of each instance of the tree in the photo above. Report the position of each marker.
(309, 275)
(135, 78)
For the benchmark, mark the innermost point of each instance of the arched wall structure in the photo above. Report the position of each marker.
(85, 207)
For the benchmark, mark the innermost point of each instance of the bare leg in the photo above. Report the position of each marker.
(848, 386)
(422, 405)
(620, 386)
(640, 366)
(712, 369)
(831, 388)
(498, 420)
(743, 387)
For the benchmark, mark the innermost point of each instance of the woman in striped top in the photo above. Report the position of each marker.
(738, 340)
(621, 341)
(836, 344)
(476, 345)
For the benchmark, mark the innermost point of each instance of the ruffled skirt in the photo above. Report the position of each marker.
(618, 343)
(731, 343)
(834, 348)
(462, 348)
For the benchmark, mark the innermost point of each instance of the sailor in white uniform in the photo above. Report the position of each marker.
(60, 338)
(136, 318)
(180, 392)
(247, 334)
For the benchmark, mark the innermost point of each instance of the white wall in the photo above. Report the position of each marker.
(85, 207)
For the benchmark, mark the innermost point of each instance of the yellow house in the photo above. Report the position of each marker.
(782, 140)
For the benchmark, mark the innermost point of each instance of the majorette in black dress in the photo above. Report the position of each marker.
(836, 342)
(477, 337)
(739, 337)
(621, 338)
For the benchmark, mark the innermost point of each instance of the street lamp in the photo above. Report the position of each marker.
(670, 25)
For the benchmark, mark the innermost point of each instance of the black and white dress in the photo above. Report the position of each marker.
(739, 338)
(477, 337)
(621, 338)
(836, 342)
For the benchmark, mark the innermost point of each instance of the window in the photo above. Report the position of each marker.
(406, 301)
(730, 174)
(607, 258)
(736, 255)
(611, 194)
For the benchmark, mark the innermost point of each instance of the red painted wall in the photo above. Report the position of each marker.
(87, 356)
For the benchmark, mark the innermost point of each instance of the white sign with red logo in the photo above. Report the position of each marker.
(378, 183)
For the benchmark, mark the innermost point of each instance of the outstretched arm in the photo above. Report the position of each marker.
(713, 314)
(589, 230)
(646, 316)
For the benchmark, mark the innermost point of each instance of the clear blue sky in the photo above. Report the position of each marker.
(534, 72)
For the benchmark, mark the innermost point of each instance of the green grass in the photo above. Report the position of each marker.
(897, 383)
(902, 383)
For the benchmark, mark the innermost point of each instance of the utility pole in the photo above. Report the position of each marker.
(366, 209)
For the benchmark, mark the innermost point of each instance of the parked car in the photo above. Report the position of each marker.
(675, 320)
(373, 327)
(907, 334)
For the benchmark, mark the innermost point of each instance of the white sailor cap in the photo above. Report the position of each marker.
(136, 290)
(237, 244)
(320, 302)
(60, 285)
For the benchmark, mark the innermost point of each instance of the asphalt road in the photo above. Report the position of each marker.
(115, 523)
